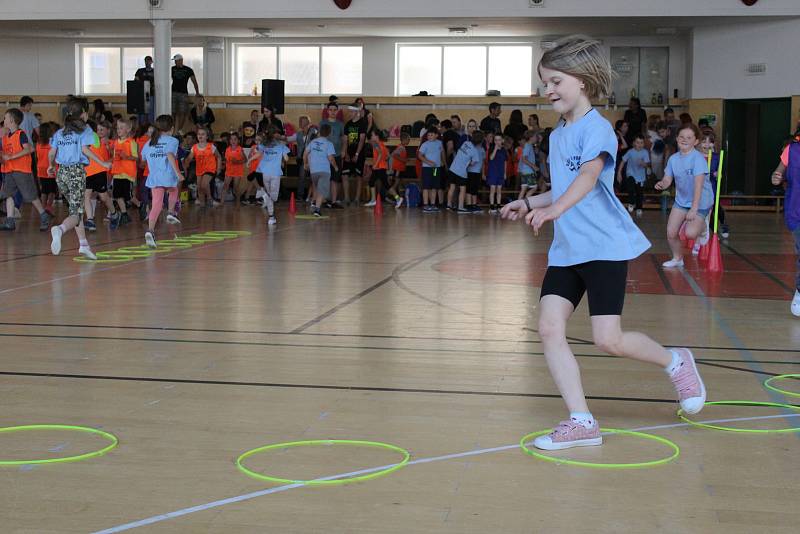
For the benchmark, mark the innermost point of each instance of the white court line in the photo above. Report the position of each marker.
(261, 493)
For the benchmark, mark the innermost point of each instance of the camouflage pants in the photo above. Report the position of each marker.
(71, 180)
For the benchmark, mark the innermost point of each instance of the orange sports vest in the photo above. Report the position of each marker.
(234, 162)
(42, 160)
(124, 168)
(206, 162)
(11, 146)
(99, 149)
(380, 156)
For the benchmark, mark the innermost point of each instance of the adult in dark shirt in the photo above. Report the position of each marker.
(202, 115)
(356, 132)
(269, 119)
(491, 123)
(249, 129)
(451, 140)
(515, 128)
(148, 74)
(181, 74)
(636, 118)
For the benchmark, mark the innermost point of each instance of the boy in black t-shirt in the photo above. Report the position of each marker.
(356, 132)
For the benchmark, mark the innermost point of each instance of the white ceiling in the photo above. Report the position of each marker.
(396, 28)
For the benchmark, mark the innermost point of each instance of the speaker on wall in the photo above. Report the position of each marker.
(136, 97)
(272, 95)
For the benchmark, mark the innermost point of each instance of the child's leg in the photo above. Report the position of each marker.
(639, 196)
(630, 188)
(462, 194)
(108, 202)
(676, 218)
(609, 337)
(89, 205)
(272, 186)
(425, 197)
(155, 209)
(174, 193)
(9, 207)
(696, 227)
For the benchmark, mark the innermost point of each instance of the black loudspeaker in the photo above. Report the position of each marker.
(136, 98)
(272, 95)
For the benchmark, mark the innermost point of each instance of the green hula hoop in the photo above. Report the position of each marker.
(744, 430)
(782, 391)
(337, 482)
(88, 430)
(676, 451)
(136, 252)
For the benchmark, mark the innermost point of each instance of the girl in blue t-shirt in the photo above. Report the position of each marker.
(496, 172)
(274, 154)
(693, 195)
(593, 242)
(164, 174)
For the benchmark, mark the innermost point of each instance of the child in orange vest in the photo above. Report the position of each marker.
(234, 168)
(97, 178)
(125, 158)
(207, 163)
(17, 168)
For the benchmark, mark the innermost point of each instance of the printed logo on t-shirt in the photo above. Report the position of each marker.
(573, 163)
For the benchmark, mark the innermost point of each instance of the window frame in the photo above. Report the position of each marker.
(278, 46)
(443, 45)
(79, 66)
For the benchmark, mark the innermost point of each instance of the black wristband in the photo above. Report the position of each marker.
(527, 204)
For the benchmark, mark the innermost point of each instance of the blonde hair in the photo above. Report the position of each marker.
(582, 57)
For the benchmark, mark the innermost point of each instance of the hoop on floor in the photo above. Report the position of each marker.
(782, 391)
(743, 430)
(136, 252)
(85, 429)
(318, 482)
(676, 451)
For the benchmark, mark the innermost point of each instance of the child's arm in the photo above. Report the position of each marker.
(777, 175)
(305, 158)
(219, 161)
(395, 155)
(443, 158)
(332, 160)
(174, 164)
(518, 208)
(664, 184)
(188, 159)
(91, 155)
(26, 149)
(51, 161)
(580, 187)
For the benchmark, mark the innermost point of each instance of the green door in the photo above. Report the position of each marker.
(774, 124)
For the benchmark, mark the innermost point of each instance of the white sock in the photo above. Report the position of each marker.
(583, 418)
(83, 242)
(675, 364)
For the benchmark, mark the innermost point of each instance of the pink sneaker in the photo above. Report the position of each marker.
(688, 384)
(569, 434)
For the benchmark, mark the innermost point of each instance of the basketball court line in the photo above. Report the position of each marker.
(248, 496)
(759, 269)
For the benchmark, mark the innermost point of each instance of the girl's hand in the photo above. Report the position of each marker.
(180, 177)
(691, 215)
(537, 217)
(660, 186)
(51, 170)
(514, 210)
(777, 178)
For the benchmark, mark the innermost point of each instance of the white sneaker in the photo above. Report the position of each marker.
(171, 219)
(260, 194)
(55, 244)
(17, 214)
(149, 240)
(696, 248)
(638, 213)
(272, 221)
(370, 204)
(703, 239)
(630, 208)
(86, 251)
(673, 264)
(796, 304)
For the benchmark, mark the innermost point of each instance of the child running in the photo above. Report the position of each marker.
(208, 162)
(47, 182)
(70, 151)
(160, 153)
(380, 164)
(97, 178)
(636, 162)
(124, 168)
(319, 158)
(693, 195)
(788, 170)
(594, 238)
(274, 155)
(234, 169)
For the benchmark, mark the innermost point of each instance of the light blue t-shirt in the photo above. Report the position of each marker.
(466, 155)
(529, 153)
(477, 165)
(271, 158)
(433, 151)
(69, 146)
(598, 227)
(161, 173)
(683, 168)
(637, 161)
(318, 151)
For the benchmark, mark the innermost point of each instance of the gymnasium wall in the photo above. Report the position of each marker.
(720, 54)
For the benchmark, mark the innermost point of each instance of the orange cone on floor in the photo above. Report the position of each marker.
(378, 210)
(292, 205)
(714, 255)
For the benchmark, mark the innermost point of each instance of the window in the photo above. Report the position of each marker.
(642, 72)
(419, 68)
(469, 69)
(307, 70)
(342, 70)
(464, 81)
(101, 71)
(104, 70)
(299, 68)
(253, 64)
(511, 69)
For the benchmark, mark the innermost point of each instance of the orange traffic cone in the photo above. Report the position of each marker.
(714, 255)
(378, 210)
(292, 205)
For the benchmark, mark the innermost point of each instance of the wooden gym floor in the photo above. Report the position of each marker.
(416, 330)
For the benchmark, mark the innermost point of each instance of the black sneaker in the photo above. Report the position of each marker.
(90, 225)
(114, 220)
(124, 218)
(725, 231)
(142, 211)
(317, 212)
(9, 225)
